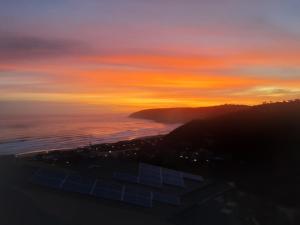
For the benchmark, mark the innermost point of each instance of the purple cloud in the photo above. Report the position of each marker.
(19, 47)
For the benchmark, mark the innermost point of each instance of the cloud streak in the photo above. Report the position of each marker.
(22, 47)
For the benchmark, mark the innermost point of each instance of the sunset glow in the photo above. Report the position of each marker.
(125, 55)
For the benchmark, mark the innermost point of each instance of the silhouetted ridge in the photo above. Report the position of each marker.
(182, 115)
(263, 131)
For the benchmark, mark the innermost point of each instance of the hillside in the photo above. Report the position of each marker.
(258, 148)
(268, 131)
(256, 132)
(183, 115)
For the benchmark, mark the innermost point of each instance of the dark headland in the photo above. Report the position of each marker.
(183, 115)
(253, 149)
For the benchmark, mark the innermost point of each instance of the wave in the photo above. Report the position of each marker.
(50, 133)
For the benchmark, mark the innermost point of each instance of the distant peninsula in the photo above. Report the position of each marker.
(183, 115)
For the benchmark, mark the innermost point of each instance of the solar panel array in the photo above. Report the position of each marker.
(94, 187)
(156, 176)
(149, 175)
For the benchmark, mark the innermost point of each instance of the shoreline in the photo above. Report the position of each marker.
(14, 144)
(82, 148)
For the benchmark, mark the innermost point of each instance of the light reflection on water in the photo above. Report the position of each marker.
(34, 133)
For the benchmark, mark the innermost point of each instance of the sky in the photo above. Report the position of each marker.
(126, 55)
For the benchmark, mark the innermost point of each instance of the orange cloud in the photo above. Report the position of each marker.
(144, 89)
(277, 57)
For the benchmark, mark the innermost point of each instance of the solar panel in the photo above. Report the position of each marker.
(126, 177)
(192, 177)
(173, 177)
(138, 197)
(107, 190)
(48, 178)
(78, 184)
(166, 198)
(171, 172)
(150, 175)
(149, 169)
(45, 181)
(174, 181)
(150, 181)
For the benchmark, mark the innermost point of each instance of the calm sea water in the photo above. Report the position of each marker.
(35, 133)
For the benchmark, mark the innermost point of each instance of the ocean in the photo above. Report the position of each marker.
(21, 134)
